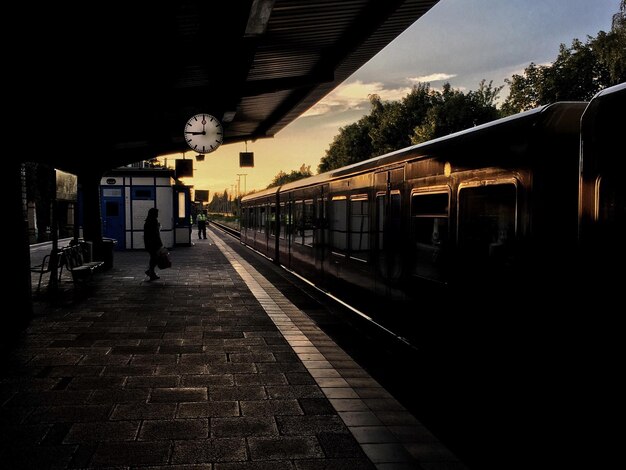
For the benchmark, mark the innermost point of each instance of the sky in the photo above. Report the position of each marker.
(457, 41)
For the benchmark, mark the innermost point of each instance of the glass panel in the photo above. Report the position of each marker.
(338, 222)
(262, 219)
(487, 224)
(381, 202)
(359, 229)
(112, 192)
(297, 222)
(273, 219)
(145, 193)
(283, 221)
(308, 220)
(430, 233)
(182, 213)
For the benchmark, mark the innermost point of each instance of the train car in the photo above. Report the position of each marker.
(602, 202)
(482, 207)
(258, 222)
(493, 252)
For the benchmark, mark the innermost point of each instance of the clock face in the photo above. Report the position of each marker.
(203, 133)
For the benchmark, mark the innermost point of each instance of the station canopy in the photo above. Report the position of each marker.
(104, 84)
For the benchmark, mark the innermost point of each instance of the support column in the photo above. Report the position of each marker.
(92, 220)
(18, 283)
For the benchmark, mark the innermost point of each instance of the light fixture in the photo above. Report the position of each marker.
(259, 17)
(228, 116)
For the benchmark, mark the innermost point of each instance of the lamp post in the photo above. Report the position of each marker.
(239, 175)
(239, 181)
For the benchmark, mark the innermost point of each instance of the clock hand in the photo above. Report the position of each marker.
(195, 133)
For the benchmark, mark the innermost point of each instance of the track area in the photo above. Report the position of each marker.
(443, 392)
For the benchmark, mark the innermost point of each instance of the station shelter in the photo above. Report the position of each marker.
(126, 195)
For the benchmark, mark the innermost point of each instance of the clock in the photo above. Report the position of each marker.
(203, 133)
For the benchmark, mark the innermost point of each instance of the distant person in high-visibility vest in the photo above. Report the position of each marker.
(201, 220)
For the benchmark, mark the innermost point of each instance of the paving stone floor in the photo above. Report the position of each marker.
(209, 367)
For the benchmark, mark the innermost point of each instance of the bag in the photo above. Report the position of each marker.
(163, 258)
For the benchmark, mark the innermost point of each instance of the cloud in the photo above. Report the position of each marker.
(354, 96)
(433, 77)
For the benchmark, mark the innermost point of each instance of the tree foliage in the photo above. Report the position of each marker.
(452, 111)
(421, 115)
(577, 74)
(295, 175)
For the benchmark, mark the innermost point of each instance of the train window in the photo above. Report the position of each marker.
(338, 224)
(321, 224)
(272, 220)
(308, 218)
(262, 219)
(297, 222)
(381, 203)
(289, 219)
(359, 227)
(429, 229)
(283, 220)
(394, 211)
(487, 224)
(388, 225)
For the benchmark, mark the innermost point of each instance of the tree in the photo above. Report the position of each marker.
(578, 72)
(349, 146)
(295, 175)
(421, 115)
(452, 111)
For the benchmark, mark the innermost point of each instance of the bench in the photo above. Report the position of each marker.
(41, 269)
(73, 259)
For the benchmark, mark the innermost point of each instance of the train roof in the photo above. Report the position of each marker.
(610, 95)
(262, 193)
(519, 128)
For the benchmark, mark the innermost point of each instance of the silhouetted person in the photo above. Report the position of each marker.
(201, 220)
(152, 240)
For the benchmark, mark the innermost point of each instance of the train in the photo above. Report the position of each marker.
(496, 252)
(514, 204)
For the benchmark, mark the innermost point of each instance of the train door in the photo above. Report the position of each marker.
(263, 228)
(388, 211)
(430, 232)
(112, 200)
(288, 227)
(321, 230)
(274, 228)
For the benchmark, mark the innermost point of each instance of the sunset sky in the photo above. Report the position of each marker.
(457, 41)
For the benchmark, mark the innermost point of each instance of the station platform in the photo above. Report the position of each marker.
(212, 366)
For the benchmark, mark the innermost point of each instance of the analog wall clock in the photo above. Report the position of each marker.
(203, 133)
